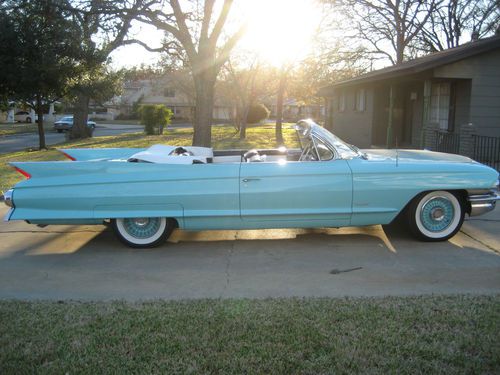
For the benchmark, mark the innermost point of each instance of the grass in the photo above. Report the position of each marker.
(118, 122)
(404, 335)
(19, 128)
(223, 137)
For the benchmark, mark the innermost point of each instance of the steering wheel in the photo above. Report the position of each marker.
(308, 154)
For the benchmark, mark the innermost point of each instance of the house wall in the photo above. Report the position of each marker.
(484, 72)
(351, 125)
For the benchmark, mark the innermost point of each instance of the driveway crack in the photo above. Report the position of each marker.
(481, 242)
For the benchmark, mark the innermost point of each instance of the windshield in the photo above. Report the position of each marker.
(344, 150)
(68, 118)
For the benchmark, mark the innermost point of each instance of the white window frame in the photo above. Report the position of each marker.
(341, 101)
(360, 100)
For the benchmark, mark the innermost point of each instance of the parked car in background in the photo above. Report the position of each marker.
(23, 116)
(146, 193)
(66, 123)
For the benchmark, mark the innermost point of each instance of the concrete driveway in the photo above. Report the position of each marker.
(88, 263)
(18, 142)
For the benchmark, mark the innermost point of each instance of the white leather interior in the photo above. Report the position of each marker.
(160, 154)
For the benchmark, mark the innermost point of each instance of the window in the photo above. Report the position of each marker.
(341, 102)
(360, 100)
(169, 93)
(324, 153)
(440, 104)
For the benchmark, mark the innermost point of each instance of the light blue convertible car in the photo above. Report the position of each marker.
(146, 193)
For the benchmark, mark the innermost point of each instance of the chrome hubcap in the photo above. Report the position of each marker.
(141, 221)
(142, 227)
(437, 214)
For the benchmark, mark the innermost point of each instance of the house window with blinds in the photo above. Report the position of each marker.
(440, 104)
(341, 102)
(360, 100)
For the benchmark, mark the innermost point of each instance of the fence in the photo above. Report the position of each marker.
(486, 150)
(483, 149)
(447, 142)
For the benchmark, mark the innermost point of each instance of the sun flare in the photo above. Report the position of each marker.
(280, 31)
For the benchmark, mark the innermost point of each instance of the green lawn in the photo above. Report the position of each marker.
(223, 137)
(412, 335)
(17, 128)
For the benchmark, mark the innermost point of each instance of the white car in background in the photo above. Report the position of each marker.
(23, 116)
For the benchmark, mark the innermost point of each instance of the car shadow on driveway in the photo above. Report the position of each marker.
(89, 263)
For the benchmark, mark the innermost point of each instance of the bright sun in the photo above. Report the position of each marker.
(280, 31)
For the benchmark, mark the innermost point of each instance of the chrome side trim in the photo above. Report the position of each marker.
(483, 203)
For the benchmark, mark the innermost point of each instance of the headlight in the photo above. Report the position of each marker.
(7, 196)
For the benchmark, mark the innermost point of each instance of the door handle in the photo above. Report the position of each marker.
(250, 179)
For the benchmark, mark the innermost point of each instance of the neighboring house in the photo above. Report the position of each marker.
(397, 105)
(294, 110)
(174, 90)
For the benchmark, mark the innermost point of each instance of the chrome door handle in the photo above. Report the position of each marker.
(250, 179)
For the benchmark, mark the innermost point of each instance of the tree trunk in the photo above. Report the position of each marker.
(279, 108)
(400, 49)
(80, 129)
(243, 120)
(204, 110)
(41, 131)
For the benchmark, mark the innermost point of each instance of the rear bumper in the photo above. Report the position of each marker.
(483, 203)
(8, 215)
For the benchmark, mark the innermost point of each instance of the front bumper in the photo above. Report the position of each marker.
(483, 203)
(62, 126)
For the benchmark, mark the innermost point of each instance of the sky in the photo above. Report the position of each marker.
(278, 31)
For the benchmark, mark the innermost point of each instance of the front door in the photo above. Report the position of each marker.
(297, 193)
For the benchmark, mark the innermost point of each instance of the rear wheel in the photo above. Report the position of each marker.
(143, 232)
(59, 130)
(28, 120)
(435, 216)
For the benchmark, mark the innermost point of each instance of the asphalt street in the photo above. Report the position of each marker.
(88, 263)
(21, 141)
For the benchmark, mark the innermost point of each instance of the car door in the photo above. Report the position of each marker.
(297, 193)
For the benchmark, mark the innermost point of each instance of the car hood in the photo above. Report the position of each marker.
(415, 156)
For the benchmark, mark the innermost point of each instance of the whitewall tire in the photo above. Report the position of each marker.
(143, 231)
(435, 216)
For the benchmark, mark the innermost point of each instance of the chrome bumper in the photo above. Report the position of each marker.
(482, 203)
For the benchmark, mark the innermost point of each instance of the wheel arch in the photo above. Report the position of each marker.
(461, 195)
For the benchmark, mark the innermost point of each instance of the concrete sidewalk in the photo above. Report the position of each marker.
(88, 263)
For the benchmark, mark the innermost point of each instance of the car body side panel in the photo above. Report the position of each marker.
(87, 154)
(382, 188)
(301, 192)
(102, 190)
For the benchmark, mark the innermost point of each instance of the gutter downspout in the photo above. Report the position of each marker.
(389, 125)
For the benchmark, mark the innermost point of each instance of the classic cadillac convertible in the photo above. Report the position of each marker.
(146, 193)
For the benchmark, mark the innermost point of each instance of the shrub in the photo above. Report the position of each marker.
(257, 113)
(136, 108)
(154, 118)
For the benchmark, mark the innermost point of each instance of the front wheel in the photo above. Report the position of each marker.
(143, 232)
(435, 216)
